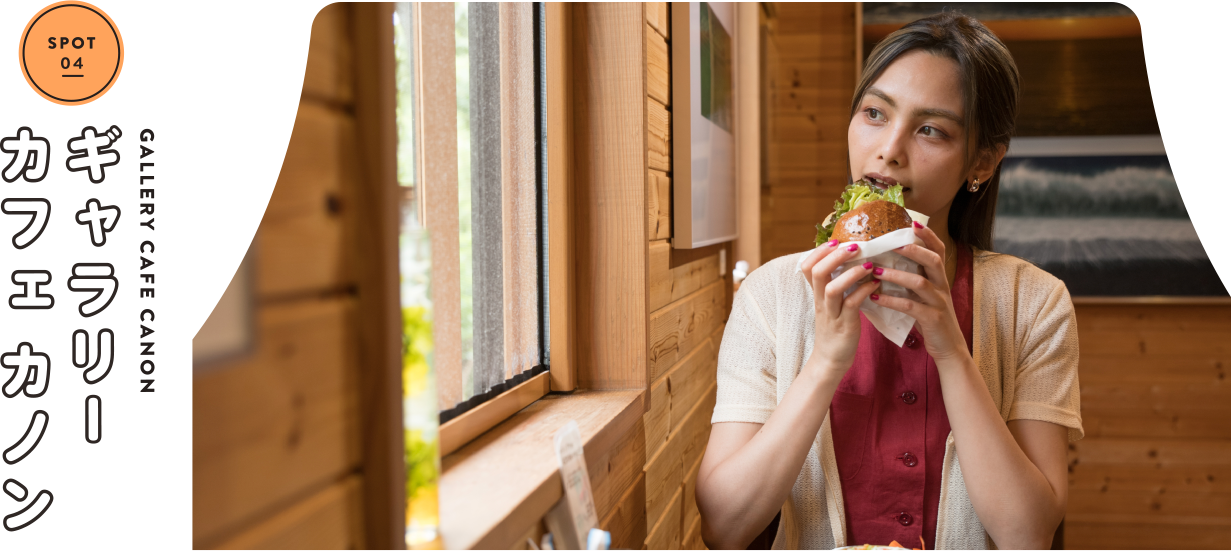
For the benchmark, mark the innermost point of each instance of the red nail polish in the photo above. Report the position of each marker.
(833, 242)
(878, 271)
(917, 224)
(854, 247)
(874, 280)
(867, 265)
(874, 296)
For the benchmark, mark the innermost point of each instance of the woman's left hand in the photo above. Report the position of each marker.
(933, 313)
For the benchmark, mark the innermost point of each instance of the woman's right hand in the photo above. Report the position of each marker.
(837, 317)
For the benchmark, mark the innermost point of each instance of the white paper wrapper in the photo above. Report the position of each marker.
(892, 324)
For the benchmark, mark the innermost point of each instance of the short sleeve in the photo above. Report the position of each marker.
(1046, 388)
(746, 365)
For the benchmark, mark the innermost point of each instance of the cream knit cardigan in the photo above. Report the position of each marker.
(1025, 345)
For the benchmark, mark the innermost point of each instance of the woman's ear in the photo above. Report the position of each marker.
(988, 160)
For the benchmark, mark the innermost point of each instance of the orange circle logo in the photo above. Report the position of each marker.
(71, 53)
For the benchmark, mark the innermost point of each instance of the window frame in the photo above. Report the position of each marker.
(553, 156)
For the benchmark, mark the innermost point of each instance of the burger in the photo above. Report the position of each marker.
(863, 213)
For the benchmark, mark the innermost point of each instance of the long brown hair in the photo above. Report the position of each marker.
(990, 85)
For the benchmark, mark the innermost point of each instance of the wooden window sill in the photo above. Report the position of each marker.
(494, 489)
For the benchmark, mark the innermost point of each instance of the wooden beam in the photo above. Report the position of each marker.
(1067, 28)
(609, 95)
(561, 196)
(379, 315)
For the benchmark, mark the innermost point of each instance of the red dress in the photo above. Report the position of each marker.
(889, 430)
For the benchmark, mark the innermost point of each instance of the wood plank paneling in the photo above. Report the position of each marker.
(666, 471)
(688, 302)
(658, 418)
(670, 285)
(656, 17)
(626, 521)
(692, 536)
(658, 188)
(697, 426)
(689, 513)
(666, 534)
(678, 328)
(301, 245)
(609, 96)
(1135, 533)
(663, 475)
(688, 383)
(269, 428)
(329, 519)
(658, 138)
(1175, 370)
(657, 68)
(1210, 479)
(1136, 421)
(1154, 468)
(811, 72)
(1083, 87)
(612, 472)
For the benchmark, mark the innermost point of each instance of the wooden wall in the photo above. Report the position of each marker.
(812, 78)
(1154, 470)
(276, 435)
(688, 306)
(645, 486)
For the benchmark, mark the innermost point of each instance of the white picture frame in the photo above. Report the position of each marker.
(703, 123)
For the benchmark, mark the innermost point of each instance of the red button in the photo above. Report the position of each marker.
(909, 459)
(905, 519)
(909, 397)
(911, 341)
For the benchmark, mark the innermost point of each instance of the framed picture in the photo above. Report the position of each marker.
(702, 123)
(1104, 214)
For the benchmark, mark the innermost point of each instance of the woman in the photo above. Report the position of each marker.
(956, 439)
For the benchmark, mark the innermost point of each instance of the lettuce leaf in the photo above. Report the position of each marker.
(857, 194)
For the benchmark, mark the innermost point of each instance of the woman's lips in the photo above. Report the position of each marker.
(882, 182)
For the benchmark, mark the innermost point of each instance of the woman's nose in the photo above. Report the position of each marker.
(893, 146)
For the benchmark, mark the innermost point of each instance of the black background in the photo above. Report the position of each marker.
(219, 85)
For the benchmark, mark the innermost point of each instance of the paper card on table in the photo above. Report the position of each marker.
(571, 456)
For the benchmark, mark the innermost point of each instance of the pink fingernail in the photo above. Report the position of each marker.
(833, 242)
(874, 296)
(878, 271)
(854, 247)
(874, 280)
(867, 265)
(917, 224)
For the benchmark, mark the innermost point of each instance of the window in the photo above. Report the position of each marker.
(473, 232)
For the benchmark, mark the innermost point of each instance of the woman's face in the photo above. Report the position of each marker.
(909, 131)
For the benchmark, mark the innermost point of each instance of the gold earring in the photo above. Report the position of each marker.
(974, 187)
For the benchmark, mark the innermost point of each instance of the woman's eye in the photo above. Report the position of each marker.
(875, 114)
(931, 132)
